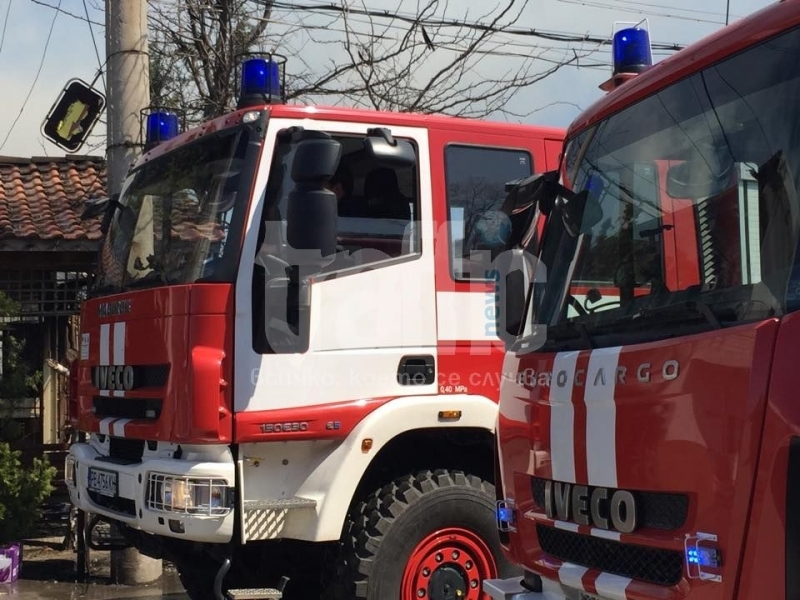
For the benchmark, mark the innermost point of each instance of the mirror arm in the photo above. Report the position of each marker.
(383, 132)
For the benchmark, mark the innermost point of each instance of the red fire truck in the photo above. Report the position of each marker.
(289, 361)
(648, 440)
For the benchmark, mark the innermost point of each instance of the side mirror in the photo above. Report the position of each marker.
(541, 190)
(105, 207)
(316, 157)
(521, 193)
(513, 274)
(694, 180)
(382, 148)
(706, 172)
(312, 208)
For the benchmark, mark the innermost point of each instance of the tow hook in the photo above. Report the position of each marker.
(249, 593)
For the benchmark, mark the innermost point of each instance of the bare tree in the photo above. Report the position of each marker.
(430, 62)
(193, 49)
(348, 54)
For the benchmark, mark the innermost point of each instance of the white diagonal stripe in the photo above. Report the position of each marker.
(605, 534)
(566, 526)
(562, 417)
(612, 586)
(118, 427)
(601, 417)
(572, 575)
(119, 350)
(105, 425)
(105, 349)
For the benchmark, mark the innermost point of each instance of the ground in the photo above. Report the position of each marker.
(49, 569)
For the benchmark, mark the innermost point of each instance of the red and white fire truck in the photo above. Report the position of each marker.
(289, 360)
(649, 433)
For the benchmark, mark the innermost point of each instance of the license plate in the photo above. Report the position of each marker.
(103, 482)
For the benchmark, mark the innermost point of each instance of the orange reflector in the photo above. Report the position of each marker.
(450, 414)
(366, 444)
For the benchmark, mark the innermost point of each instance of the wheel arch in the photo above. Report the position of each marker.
(349, 471)
(460, 448)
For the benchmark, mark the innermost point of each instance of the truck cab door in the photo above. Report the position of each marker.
(371, 329)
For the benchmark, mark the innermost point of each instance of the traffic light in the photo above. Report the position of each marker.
(74, 114)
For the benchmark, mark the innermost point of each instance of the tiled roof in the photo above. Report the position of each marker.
(43, 198)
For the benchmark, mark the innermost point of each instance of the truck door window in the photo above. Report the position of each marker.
(476, 178)
(378, 224)
(625, 248)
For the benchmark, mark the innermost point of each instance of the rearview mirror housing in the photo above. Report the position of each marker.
(311, 219)
(316, 158)
(382, 148)
(105, 207)
(513, 272)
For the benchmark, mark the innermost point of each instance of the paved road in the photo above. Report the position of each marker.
(168, 589)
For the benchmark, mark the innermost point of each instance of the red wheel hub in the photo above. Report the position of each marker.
(449, 564)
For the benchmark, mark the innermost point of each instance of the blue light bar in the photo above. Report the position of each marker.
(631, 50)
(161, 126)
(505, 516)
(261, 78)
(704, 557)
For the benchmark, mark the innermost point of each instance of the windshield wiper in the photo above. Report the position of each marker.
(109, 288)
(570, 330)
(681, 310)
(147, 279)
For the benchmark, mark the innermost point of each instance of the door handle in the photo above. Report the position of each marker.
(416, 370)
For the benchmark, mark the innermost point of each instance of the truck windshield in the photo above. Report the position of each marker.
(685, 211)
(175, 217)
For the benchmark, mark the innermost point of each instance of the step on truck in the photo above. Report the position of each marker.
(289, 365)
(648, 442)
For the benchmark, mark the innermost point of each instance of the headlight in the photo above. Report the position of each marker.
(188, 495)
(70, 468)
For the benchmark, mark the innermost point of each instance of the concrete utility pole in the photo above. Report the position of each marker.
(128, 85)
(128, 93)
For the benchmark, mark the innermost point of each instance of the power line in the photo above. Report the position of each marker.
(648, 13)
(445, 45)
(66, 12)
(5, 24)
(94, 43)
(554, 36)
(35, 79)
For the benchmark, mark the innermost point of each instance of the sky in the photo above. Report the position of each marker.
(42, 48)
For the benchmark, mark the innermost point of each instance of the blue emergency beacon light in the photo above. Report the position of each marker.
(631, 53)
(631, 50)
(160, 126)
(262, 81)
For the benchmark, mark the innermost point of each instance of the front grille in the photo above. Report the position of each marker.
(656, 510)
(654, 565)
(144, 409)
(142, 376)
(124, 506)
(125, 450)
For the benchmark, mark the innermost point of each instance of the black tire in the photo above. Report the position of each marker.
(384, 531)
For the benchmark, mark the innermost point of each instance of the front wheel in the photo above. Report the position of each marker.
(432, 535)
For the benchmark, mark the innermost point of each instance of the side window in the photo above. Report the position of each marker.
(476, 178)
(378, 220)
(625, 248)
(378, 209)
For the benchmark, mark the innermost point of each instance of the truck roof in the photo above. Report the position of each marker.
(375, 117)
(763, 24)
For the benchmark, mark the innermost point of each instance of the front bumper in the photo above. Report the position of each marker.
(130, 502)
(512, 589)
(509, 589)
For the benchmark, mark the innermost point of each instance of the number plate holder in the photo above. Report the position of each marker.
(105, 483)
